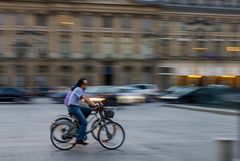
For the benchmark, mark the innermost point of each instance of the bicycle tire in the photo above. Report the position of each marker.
(56, 141)
(56, 121)
(105, 136)
(95, 131)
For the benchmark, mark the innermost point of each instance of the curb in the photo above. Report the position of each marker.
(205, 109)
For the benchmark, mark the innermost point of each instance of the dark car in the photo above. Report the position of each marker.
(197, 95)
(105, 94)
(12, 94)
(58, 97)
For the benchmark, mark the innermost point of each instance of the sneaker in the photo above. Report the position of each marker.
(82, 142)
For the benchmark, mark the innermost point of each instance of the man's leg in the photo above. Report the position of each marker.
(86, 111)
(82, 122)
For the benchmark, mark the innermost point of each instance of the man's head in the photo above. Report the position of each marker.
(82, 83)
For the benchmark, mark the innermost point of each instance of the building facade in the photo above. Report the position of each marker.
(199, 43)
(54, 42)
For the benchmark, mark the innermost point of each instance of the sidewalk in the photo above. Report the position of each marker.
(205, 109)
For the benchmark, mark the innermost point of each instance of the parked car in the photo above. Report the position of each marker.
(196, 95)
(170, 90)
(150, 91)
(13, 94)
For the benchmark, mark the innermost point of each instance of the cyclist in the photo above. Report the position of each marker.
(79, 111)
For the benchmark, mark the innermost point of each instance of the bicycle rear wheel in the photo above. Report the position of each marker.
(62, 137)
(111, 135)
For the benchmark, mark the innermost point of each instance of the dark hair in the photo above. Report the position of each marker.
(79, 83)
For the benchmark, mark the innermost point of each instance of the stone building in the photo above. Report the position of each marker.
(167, 42)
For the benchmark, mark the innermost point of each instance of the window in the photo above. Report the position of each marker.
(217, 48)
(88, 49)
(42, 69)
(22, 48)
(165, 47)
(127, 74)
(147, 25)
(200, 48)
(165, 70)
(20, 19)
(126, 46)
(65, 75)
(126, 22)
(146, 76)
(41, 20)
(107, 46)
(217, 27)
(107, 22)
(65, 49)
(147, 47)
(1, 69)
(1, 19)
(165, 27)
(87, 21)
(184, 48)
(64, 69)
(20, 69)
(41, 46)
(234, 28)
(1, 45)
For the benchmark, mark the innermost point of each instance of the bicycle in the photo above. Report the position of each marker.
(93, 120)
(64, 132)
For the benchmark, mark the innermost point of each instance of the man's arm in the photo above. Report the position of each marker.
(88, 101)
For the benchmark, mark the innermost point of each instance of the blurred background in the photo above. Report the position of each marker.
(47, 45)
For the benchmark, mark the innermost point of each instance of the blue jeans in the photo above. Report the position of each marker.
(81, 113)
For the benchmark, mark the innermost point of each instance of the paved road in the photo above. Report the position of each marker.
(153, 132)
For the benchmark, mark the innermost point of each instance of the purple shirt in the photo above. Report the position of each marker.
(76, 96)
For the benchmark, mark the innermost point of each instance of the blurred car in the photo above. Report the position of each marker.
(106, 94)
(58, 97)
(129, 95)
(196, 95)
(13, 94)
(150, 91)
(169, 91)
(41, 91)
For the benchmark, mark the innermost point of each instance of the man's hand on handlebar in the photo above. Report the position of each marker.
(97, 105)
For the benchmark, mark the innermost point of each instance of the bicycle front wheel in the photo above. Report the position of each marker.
(96, 126)
(111, 135)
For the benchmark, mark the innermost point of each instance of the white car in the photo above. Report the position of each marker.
(129, 95)
(150, 91)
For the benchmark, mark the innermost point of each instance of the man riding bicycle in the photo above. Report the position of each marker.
(79, 111)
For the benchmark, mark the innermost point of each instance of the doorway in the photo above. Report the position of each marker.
(108, 75)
